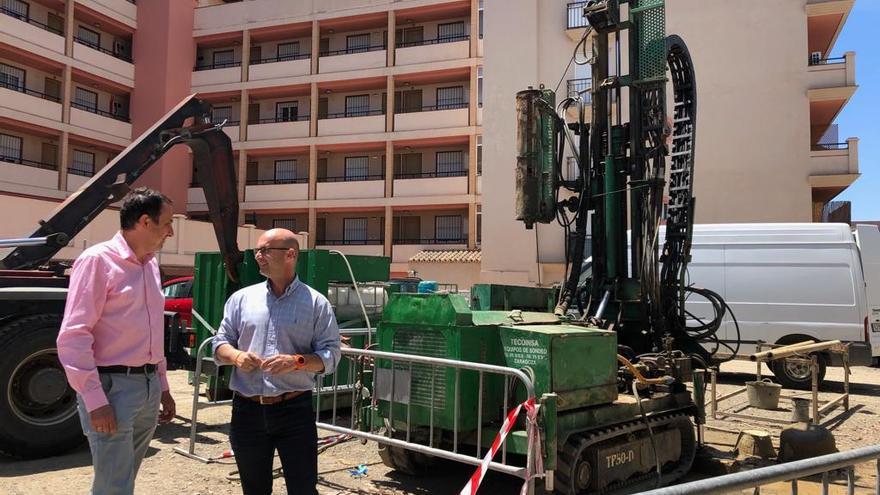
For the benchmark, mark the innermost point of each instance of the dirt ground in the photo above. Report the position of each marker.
(165, 472)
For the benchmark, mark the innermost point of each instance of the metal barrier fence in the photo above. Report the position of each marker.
(345, 389)
(792, 471)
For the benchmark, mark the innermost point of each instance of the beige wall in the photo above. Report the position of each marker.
(752, 149)
(464, 275)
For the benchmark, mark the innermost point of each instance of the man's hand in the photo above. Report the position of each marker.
(169, 408)
(103, 420)
(284, 363)
(247, 361)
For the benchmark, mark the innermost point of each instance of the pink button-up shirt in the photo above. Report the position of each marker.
(114, 316)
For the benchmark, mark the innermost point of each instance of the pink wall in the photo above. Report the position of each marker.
(164, 52)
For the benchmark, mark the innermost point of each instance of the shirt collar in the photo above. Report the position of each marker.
(288, 290)
(124, 250)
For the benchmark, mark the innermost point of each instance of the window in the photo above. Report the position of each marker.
(408, 165)
(481, 19)
(88, 37)
(447, 227)
(219, 114)
(83, 163)
(357, 167)
(180, 290)
(16, 8)
(480, 86)
(354, 230)
(285, 171)
(224, 58)
(357, 43)
(86, 100)
(284, 223)
(357, 105)
(324, 47)
(10, 148)
(452, 97)
(479, 155)
(479, 224)
(410, 36)
(407, 229)
(452, 31)
(571, 169)
(286, 111)
(12, 77)
(450, 163)
(288, 51)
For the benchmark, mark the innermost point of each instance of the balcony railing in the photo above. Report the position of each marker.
(104, 113)
(827, 61)
(80, 172)
(263, 182)
(581, 87)
(217, 65)
(29, 163)
(346, 51)
(225, 122)
(576, 17)
(272, 120)
(281, 58)
(95, 46)
(353, 113)
(829, 146)
(28, 20)
(22, 89)
(352, 178)
(349, 242)
(429, 240)
(431, 108)
(434, 41)
(432, 175)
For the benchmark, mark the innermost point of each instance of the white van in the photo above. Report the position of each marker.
(788, 282)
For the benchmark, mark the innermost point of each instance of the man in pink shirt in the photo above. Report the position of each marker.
(111, 341)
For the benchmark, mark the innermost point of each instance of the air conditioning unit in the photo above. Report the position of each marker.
(815, 58)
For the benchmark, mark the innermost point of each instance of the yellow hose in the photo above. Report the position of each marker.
(647, 381)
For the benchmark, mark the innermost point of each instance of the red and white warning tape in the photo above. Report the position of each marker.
(534, 448)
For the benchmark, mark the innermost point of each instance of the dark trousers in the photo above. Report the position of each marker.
(258, 430)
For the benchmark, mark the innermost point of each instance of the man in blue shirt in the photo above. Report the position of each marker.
(278, 334)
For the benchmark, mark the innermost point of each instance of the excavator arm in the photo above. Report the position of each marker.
(188, 123)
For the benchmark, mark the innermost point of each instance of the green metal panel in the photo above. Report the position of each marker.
(650, 17)
(508, 297)
(578, 364)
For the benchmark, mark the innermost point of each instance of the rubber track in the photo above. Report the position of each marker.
(579, 442)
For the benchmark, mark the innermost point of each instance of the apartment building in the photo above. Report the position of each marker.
(768, 94)
(355, 122)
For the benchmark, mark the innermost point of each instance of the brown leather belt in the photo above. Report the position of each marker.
(267, 400)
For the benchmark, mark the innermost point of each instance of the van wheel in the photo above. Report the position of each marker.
(796, 375)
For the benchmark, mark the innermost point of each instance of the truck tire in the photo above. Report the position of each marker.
(794, 375)
(38, 415)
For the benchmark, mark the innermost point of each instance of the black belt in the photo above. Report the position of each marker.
(127, 370)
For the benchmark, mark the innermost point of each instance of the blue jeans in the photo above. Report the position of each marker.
(135, 399)
(258, 430)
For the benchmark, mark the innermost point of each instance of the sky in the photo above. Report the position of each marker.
(861, 116)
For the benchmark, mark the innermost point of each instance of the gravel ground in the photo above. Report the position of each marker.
(165, 472)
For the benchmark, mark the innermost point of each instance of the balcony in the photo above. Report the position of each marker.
(432, 50)
(232, 130)
(835, 158)
(279, 128)
(839, 72)
(219, 73)
(352, 122)
(31, 30)
(276, 190)
(122, 10)
(371, 57)
(102, 58)
(21, 100)
(432, 117)
(372, 247)
(431, 184)
(280, 67)
(351, 187)
(100, 121)
(575, 22)
(28, 172)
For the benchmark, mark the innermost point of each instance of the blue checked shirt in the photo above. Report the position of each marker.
(300, 321)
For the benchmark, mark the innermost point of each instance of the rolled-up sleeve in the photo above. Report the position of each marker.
(228, 332)
(86, 296)
(326, 339)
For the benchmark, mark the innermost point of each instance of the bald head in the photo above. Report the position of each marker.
(279, 238)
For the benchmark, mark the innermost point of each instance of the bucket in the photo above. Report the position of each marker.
(800, 410)
(763, 394)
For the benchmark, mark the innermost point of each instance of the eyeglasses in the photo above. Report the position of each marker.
(263, 251)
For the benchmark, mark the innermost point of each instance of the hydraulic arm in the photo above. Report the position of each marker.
(188, 123)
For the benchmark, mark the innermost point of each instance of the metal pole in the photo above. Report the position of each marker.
(814, 371)
(714, 375)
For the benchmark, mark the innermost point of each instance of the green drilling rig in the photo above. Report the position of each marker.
(610, 363)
